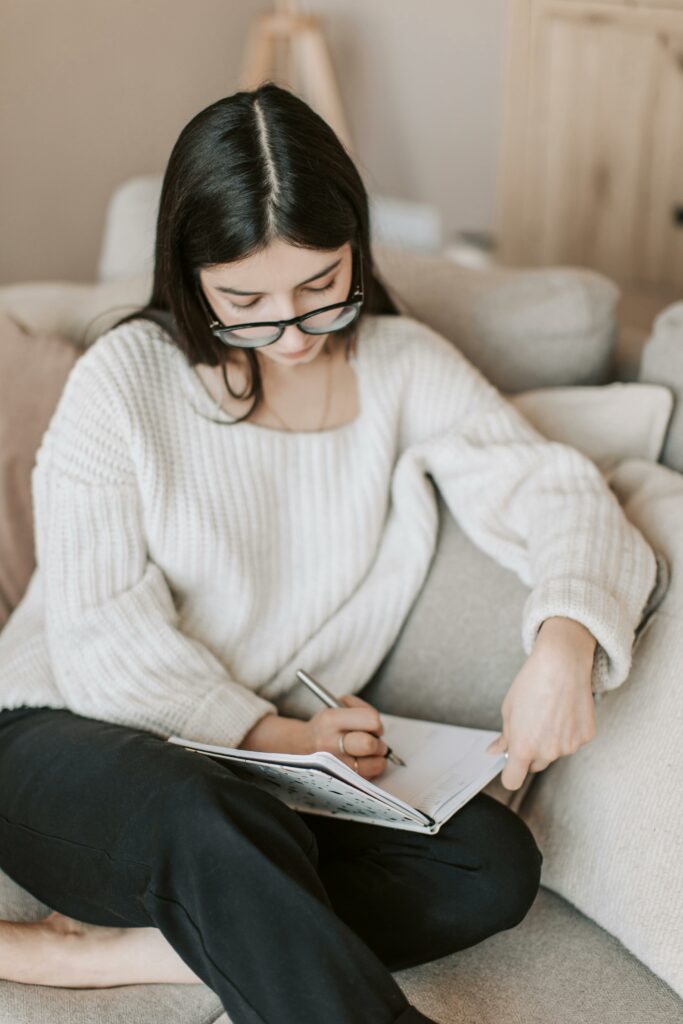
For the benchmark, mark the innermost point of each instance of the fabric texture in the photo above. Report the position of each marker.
(608, 424)
(187, 568)
(130, 228)
(557, 965)
(33, 370)
(619, 797)
(79, 312)
(662, 363)
(523, 328)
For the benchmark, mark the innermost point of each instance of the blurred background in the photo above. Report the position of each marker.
(527, 132)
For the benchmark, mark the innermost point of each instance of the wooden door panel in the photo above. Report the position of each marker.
(594, 161)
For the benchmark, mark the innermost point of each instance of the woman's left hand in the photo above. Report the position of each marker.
(548, 711)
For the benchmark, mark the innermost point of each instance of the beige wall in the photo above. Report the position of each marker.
(95, 92)
(422, 83)
(99, 91)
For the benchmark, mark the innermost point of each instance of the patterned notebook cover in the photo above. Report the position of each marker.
(445, 767)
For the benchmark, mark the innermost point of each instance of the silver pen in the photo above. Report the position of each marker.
(329, 698)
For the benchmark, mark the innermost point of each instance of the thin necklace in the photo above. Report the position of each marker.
(276, 413)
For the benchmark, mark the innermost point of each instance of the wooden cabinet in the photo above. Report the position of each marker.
(591, 170)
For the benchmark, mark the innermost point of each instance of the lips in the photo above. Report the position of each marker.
(292, 355)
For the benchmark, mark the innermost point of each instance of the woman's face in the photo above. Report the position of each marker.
(279, 283)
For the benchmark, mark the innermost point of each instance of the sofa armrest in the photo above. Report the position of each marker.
(79, 312)
(608, 818)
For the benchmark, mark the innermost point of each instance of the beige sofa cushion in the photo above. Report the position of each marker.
(542, 327)
(608, 424)
(33, 370)
(556, 967)
(662, 363)
(609, 818)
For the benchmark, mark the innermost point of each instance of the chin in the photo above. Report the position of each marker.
(317, 346)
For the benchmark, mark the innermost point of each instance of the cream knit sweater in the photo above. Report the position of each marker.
(186, 569)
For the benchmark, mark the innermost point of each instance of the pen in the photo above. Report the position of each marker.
(329, 698)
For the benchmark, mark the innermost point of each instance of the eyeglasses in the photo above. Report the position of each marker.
(319, 321)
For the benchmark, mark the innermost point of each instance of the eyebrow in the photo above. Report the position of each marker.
(236, 291)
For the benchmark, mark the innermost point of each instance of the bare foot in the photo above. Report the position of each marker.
(66, 953)
(66, 925)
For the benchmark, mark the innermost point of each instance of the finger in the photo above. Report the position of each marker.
(352, 700)
(497, 746)
(369, 767)
(364, 744)
(362, 718)
(515, 771)
(539, 764)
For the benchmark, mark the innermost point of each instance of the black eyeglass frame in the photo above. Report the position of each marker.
(356, 298)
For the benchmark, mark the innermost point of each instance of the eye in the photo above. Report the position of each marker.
(324, 288)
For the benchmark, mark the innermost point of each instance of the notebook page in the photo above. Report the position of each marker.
(442, 761)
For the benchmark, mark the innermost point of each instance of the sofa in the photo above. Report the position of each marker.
(603, 941)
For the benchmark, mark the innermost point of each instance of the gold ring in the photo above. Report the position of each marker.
(345, 752)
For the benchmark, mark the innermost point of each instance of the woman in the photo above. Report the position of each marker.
(234, 485)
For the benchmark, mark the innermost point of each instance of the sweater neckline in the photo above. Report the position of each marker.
(205, 406)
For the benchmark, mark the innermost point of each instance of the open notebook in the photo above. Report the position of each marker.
(445, 766)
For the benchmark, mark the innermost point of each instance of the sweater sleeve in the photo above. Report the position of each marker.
(111, 626)
(539, 508)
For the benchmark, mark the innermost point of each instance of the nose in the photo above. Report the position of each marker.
(293, 340)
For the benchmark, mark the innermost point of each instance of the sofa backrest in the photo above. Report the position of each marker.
(523, 329)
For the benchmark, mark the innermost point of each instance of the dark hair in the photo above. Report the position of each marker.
(250, 168)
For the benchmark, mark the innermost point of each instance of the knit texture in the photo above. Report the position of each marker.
(186, 568)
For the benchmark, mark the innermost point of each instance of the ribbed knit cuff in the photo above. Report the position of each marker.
(226, 715)
(597, 610)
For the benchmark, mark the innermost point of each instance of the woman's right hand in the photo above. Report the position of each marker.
(357, 722)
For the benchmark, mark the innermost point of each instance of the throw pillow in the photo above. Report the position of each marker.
(543, 327)
(608, 424)
(33, 371)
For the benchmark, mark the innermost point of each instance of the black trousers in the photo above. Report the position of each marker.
(290, 918)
